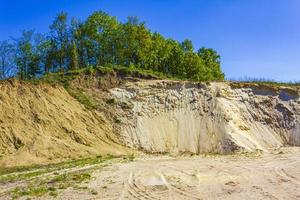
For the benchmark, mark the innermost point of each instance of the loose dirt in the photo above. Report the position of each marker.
(269, 176)
(248, 176)
(41, 124)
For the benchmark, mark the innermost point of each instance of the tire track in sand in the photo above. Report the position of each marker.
(133, 190)
(175, 191)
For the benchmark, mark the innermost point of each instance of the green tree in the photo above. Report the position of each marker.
(158, 54)
(102, 40)
(194, 66)
(136, 42)
(7, 52)
(99, 31)
(42, 49)
(74, 58)
(212, 63)
(176, 59)
(78, 37)
(27, 58)
(59, 40)
(187, 46)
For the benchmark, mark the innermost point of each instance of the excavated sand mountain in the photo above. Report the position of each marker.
(41, 124)
(170, 116)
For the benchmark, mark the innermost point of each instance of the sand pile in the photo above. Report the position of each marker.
(41, 124)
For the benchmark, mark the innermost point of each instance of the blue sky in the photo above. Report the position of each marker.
(256, 38)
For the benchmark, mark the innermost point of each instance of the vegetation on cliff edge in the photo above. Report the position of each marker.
(102, 40)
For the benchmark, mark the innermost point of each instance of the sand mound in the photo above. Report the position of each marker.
(41, 124)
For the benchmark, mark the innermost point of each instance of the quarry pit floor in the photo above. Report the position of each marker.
(273, 175)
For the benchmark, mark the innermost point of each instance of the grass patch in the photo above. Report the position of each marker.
(82, 98)
(94, 192)
(243, 154)
(69, 179)
(26, 172)
(14, 177)
(59, 178)
(59, 78)
(80, 187)
(52, 183)
(131, 157)
(264, 81)
(53, 194)
(50, 187)
(29, 191)
(65, 78)
(80, 177)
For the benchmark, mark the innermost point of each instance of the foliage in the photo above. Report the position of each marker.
(41, 180)
(82, 98)
(263, 81)
(101, 40)
(212, 62)
(59, 38)
(7, 52)
(27, 56)
(29, 191)
(74, 58)
(26, 172)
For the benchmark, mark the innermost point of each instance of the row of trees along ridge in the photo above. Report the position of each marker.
(101, 40)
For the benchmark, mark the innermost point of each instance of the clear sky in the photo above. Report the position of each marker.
(256, 38)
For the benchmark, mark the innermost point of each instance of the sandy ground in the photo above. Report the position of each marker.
(250, 176)
(269, 176)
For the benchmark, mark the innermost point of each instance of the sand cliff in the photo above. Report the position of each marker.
(42, 123)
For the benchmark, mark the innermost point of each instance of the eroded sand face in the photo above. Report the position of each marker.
(172, 117)
(42, 124)
(268, 176)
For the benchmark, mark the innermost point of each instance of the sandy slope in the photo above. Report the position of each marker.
(268, 176)
(40, 124)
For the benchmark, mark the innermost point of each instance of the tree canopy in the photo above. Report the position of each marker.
(102, 40)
